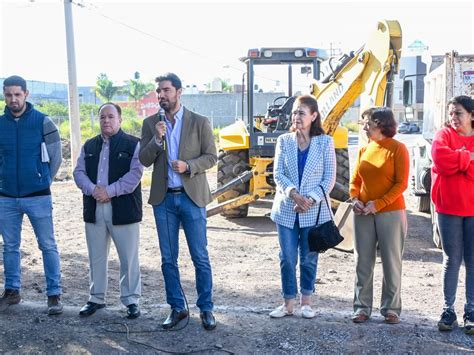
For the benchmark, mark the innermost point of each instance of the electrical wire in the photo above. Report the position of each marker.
(165, 148)
(172, 256)
(165, 41)
(145, 33)
(136, 342)
(127, 331)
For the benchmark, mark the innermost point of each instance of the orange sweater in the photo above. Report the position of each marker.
(381, 175)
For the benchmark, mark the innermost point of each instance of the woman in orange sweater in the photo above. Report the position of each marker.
(376, 188)
(453, 195)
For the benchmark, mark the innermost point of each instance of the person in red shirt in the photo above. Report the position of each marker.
(452, 193)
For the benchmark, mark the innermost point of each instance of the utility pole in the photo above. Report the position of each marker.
(74, 118)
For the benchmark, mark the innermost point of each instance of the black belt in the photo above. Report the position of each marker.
(175, 190)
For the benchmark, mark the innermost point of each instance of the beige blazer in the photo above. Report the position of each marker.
(196, 146)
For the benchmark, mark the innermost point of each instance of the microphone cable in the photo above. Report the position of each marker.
(161, 114)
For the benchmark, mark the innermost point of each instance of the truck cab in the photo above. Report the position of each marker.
(449, 75)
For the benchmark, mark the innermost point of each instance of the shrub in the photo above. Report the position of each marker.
(87, 130)
(130, 126)
(52, 109)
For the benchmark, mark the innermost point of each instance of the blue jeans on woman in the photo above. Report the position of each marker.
(457, 237)
(176, 209)
(291, 240)
(39, 211)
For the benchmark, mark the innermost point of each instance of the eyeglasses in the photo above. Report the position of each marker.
(365, 122)
(456, 113)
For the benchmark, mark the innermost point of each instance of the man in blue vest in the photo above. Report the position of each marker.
(108, 172)
(30, 156)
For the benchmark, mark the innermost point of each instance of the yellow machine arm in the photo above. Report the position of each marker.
(364, 74)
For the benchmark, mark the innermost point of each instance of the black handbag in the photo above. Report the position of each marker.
(324, 236)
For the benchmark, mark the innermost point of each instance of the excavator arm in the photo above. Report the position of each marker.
(364, 73)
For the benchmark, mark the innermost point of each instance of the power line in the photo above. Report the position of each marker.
(89, 7)
(95, 9)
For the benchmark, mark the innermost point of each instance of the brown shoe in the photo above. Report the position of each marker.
(360, 317)
(392, 318)
(8, 298)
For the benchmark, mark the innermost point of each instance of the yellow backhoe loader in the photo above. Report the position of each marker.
(247, 147)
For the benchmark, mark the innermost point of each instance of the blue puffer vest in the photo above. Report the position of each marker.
(21, 171)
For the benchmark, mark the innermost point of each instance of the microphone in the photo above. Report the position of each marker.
(161, 114)
(161, 118)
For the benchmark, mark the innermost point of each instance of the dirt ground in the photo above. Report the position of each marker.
(244, 257)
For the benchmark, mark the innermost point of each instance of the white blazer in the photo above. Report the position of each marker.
(320, 169)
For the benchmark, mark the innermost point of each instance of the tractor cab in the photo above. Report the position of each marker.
(283, 74)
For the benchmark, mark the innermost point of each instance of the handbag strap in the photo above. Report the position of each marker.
(327, 204)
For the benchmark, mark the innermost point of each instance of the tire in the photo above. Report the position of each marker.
(423, 203)
(341, 188)
(230, 164)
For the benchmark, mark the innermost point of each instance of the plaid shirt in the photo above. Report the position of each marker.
(320, 169)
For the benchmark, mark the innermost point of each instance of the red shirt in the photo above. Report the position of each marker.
(452, 189)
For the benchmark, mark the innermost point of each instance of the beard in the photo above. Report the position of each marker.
(16, 109)
(168, 106)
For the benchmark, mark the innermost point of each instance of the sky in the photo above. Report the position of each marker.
(202, 40)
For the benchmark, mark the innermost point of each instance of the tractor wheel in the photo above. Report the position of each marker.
(341, 189)
(230, 164)
(422, 203)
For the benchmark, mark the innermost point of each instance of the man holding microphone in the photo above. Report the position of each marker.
(180, 145)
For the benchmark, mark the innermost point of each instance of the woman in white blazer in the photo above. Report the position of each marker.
(304, 160)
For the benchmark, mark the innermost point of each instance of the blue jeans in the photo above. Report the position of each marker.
(176, 209)
(457, 237)
(39, 211)
(292, 239)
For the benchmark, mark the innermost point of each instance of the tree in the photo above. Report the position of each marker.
(225, 85)
(136, 89)
(105, 88)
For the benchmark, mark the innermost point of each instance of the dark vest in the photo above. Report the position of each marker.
(126, 209)
(22, 173)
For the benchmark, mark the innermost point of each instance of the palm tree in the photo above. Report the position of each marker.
(226, 85)
(105, 88)
(136, 89)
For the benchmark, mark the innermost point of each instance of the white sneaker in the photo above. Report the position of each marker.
(307, 312)
(280, 312)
